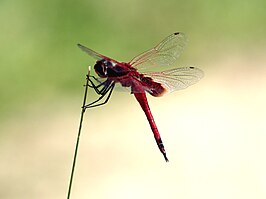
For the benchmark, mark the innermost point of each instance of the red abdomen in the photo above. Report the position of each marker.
(141, 97)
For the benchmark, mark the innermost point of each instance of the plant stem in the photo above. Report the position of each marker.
(78, 136)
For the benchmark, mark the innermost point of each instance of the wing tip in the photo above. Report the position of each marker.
(79, 45)
(179, 33)
(200, 73)
(182, 36)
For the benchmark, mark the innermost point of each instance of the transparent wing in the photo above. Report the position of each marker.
(90, 52)
(94, 54)
(178, 78)
(164, 54)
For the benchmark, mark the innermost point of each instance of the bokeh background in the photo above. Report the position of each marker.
(214, 131)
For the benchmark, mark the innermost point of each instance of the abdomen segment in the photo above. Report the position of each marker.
(141, 97)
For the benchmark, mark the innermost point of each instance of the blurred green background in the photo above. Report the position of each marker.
(214, 131)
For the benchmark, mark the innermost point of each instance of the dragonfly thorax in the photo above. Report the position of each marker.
(106, 68)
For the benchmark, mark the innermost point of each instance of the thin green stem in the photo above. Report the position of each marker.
(78, 136)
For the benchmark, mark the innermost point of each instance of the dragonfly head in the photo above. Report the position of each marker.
(101, 67)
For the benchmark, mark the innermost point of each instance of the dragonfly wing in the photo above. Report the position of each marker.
(163, 54)
(178, 78)
(90, 52)
(94, 54)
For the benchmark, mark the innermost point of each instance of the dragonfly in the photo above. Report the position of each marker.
(143, 75)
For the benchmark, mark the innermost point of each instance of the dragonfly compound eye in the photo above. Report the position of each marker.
(100, 69)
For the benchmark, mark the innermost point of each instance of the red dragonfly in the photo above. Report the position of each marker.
(129, 74)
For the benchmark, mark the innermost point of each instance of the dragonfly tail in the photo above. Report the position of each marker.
(141, 97)
(166, 159)
(161, 147)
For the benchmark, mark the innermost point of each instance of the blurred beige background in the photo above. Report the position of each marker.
(214, 131)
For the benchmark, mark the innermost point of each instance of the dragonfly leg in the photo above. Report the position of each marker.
(96, 79)
(105, 84)
(109, 90)
(93, 84)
